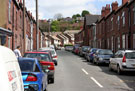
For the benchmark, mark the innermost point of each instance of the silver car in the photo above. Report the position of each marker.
(123, 60)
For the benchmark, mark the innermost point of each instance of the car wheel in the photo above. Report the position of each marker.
(97, 63)
(56, 64)
(93, 61)
(119, 70)
(110, 68)
(52, 80)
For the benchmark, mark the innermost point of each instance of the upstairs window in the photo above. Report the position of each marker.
(112, 23)
(9, 11)
(134, 15)
(118, 22)
(123, 19)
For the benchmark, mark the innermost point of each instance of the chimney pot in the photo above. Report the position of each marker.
(125, 1)
(114, 5)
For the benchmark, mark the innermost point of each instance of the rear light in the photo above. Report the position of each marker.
(31, 77)
(51, 67)
(124, 59)
(49, 64)
(55, 56)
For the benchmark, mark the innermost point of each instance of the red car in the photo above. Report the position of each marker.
(46, 62)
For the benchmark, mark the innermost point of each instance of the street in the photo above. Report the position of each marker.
(73, 73)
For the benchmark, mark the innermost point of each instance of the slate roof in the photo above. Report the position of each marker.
(90, 19)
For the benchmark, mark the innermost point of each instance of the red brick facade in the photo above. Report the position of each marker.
(116, 29)
(14, 23)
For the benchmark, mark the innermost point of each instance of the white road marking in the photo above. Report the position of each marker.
(97, 82)
(85, 71)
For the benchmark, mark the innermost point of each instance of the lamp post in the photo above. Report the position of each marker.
(37, 25)
(49, 22)
(24, 31)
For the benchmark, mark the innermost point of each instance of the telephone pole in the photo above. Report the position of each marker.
(24, 31)
(37, 25)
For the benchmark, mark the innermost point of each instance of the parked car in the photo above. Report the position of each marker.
(83, 50)
(52, 53)
(10, 73)
(76, 48)
(90, 55)
(45, 61)
(33, 75)
(102, 56)
(123, 60)
(68, 48)
(87, 52)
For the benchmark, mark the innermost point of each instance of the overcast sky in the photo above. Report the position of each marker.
(48, 8)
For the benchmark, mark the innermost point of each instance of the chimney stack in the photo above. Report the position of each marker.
(125, 1)
(114, 5)
(103, 12)
(107, 9)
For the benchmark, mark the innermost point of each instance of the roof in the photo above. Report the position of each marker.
(31, 59)
(37, 52)
(90, 19)
(54, 37)
(72, 31)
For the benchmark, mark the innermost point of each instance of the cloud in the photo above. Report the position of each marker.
(48, 8)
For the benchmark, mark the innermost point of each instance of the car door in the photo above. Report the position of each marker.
(114, 61)
(42, 74)
(96, 56)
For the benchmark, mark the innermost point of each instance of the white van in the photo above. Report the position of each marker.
(10, 74)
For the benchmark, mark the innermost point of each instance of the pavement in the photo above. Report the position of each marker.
(73, 73)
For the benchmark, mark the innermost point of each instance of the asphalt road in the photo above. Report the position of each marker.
(73, 73)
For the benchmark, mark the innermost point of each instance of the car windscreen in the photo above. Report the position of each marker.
(39, 56)
(85, 48)
(93, 50)
(130, 55)
(52, 52)
(105, 52)
(26, 65)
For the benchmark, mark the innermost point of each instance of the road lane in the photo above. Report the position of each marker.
(73, 73)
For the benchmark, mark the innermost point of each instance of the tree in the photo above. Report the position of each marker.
(55, 27)
(75, 16)
(58, 16)
(85, 12)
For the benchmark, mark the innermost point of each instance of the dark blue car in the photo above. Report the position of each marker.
(91, 55)
(34, 78)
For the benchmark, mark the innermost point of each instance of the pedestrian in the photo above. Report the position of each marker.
(17, 52)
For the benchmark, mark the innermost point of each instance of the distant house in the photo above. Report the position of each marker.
(89, 21)
(55, 41)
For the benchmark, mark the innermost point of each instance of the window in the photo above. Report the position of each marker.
(9, 11)
(112, 23)
(123, 41)
(0, 40)
(20, 19)
(108, 42)
(9, 39)
(123, 19)
(133, 41)
(118, 42)
(134, 14)
(126, 41)
(118, 22)
(16, 19)
(112, 42)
